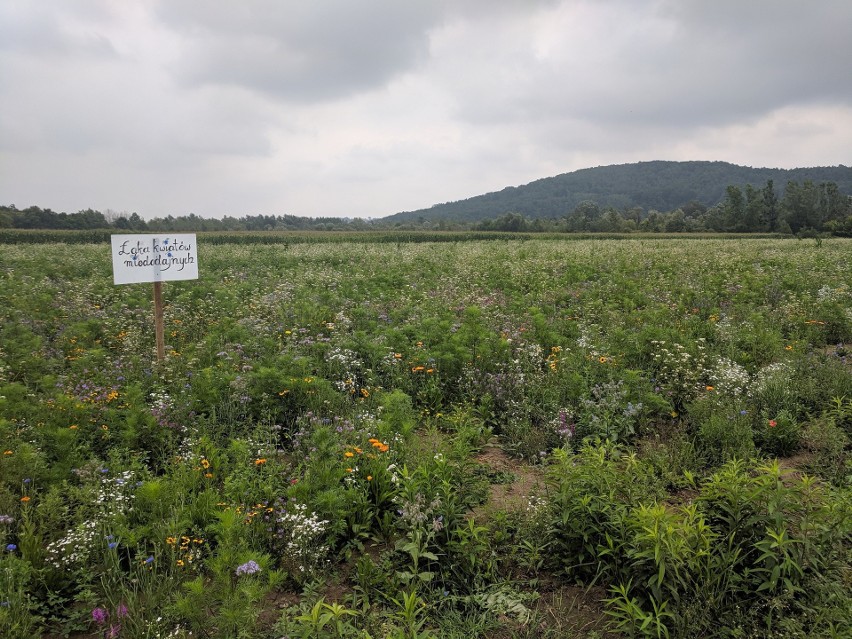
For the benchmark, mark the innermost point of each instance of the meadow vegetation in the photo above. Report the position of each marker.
(540, 438)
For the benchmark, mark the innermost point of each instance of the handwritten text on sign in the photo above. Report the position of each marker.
(154, 258)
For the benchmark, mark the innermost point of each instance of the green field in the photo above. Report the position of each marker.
(392, 438)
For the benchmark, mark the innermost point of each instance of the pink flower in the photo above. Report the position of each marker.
(772, 423)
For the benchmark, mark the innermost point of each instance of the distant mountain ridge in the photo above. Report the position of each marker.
(660, 185)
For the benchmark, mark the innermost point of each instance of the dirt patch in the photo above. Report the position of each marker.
(796, 465)
(524, 481)
(561, 611)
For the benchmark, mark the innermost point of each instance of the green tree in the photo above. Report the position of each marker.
(734, 209)
(770, 201)
(754, 219)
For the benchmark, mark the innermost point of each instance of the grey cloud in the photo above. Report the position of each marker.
(674, 64)
(42, 29)
(300, 51)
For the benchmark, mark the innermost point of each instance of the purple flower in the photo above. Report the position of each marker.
(112, 544)
(248, 568)
(11, 547)
(100, 616)
(121, 611)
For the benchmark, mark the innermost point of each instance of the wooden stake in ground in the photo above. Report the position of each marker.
(159, 329)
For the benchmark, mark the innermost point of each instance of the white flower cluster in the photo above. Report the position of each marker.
(74, 548)
(301, 533)
(116, 494)
(774, 375)
(729, 378)
(678, 371)
(346, 366)
(828, 294)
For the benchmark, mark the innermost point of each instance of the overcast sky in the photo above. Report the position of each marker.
(370, 107)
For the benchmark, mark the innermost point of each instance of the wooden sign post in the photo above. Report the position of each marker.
(159, 329)
(155, 258)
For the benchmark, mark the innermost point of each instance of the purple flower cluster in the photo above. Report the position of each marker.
(248, 568)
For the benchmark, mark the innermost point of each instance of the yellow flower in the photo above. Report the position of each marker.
(171, 541)
(208, 475)
(73, 427)
(369, 478)
(180, 563)
(602, 359)
(205, 463)
(348, 453)
(7, 452)
(788, 347)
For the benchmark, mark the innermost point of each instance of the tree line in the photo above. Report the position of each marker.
(803, 209)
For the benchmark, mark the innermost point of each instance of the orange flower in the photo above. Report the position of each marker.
(369, 478)
(73, 427)
(25, 498)
(709, 388)
(208, 475)
(7, 452)
(259, 462)
(349, 453)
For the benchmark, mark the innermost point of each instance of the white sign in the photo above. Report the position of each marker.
(154, 258)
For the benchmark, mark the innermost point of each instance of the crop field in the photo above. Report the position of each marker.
(526, 438)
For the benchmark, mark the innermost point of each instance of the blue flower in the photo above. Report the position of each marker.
(11, 547)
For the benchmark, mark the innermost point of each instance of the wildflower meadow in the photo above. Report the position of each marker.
(546, 437)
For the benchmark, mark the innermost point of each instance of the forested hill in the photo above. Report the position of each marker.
(659, 185)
